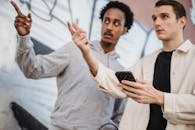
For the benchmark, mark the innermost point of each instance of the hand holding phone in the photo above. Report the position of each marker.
(125, 75)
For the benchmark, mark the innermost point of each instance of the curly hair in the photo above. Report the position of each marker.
(121, 6)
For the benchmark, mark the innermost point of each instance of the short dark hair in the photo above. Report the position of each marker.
(121, 6)
(177, 7)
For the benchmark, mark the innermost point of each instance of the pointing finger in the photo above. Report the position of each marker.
(76, 27)
(70, 28)
(17, 8)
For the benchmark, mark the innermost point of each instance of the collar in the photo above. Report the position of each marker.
(96, 46)
(185, 47)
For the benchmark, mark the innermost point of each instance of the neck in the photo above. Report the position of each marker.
(173, 44)
(107, 47)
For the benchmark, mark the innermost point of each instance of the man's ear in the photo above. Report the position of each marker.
(124, 31)
(183, 22)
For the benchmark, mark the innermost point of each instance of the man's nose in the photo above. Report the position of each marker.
(110, 26)
(157, 22)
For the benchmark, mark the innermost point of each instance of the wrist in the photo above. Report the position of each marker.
(160, 98)
(86, 52)
(23, 34)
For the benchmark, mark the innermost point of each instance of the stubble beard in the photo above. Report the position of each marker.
(106, 44)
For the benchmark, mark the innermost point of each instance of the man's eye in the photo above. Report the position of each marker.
(106, 21)
(165, 16)
(116, 23)
(154, 18)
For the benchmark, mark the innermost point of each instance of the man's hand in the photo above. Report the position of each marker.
(79, 37)
(22, 23)
(142, 92)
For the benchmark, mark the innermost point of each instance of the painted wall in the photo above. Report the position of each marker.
(49, 27)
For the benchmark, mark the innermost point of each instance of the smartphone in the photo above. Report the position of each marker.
(125, 75)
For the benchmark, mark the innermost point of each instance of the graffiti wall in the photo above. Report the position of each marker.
(50, 31)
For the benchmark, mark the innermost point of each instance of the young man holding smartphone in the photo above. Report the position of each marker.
(163, 96)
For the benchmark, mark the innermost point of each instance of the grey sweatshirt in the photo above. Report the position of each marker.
(79, 105)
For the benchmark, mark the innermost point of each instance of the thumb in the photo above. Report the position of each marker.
(29, 18)
(87, 42)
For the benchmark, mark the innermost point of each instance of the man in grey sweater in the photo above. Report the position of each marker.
(79, 105)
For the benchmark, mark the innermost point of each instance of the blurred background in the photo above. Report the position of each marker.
(49, 32)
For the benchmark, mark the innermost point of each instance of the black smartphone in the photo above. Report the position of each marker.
(125, 75)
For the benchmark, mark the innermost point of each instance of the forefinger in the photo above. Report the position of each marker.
(130, 83)
(77, 28)
(17, 8)
(70, 28)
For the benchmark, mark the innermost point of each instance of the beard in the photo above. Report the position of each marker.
(106, 44)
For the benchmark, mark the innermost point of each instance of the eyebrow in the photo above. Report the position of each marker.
(115, 19)
(153, 16)
(164, 14)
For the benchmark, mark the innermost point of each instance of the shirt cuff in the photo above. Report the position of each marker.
(169, 106)
(24, 42)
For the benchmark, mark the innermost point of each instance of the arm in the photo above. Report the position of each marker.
(105, 77)
(180, 108)
(79, 38)
(35, 66)
(40, 66)
(176, 107)
(119, 108)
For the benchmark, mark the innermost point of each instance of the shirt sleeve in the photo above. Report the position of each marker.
(119, 107)
(179, 108)
(40, 66)
(108, 82)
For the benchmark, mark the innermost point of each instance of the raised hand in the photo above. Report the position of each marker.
(22, 22)
(79, 37)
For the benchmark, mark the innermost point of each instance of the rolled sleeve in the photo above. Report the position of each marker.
(108, 82)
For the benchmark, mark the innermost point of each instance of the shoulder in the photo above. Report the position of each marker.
(67, 50)
(148, 60)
